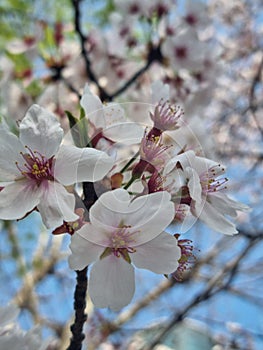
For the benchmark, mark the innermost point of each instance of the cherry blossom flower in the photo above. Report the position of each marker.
(165, 116)
(108, 121)
(122, 232)
(153, 155)
(201, 187)
(34, 169)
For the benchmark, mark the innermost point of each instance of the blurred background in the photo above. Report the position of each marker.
(210, 53)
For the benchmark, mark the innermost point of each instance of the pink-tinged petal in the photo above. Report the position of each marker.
(57, 205)
(93, 108)
(18, 199)
(111, 283)
(159, 255)
(10, 148)
(147, 215)
(41, 131)
(83, 252)
(75, 164)
(214, 219)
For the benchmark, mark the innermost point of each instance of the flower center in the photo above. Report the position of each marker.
(209, 180)
(119, 244)
(36, 166)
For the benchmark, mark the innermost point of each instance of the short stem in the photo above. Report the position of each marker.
(126, 166)
(128, 184)
(79, 306)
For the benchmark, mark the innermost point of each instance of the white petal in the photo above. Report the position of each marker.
(83, 252)
(159, 255)
(18, 199)
(127, 133)
(41, 131)
(75, 164)
(147, 215)
(114, 114)
(95, 234)
(194, 185)
(111, 283)
(93, 108)
(185, 159)
(108, 210)
(10, 148)
(214, 219)
(225, 204)
(202, 165)
(56, 205)
(150, 215)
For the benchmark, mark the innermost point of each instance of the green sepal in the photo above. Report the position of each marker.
(79, 129)
(106, 253)
(126, 256)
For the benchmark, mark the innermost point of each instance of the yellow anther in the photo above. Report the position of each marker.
(35, 166)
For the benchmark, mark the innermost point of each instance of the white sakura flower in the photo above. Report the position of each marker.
(122, 232)
(165, 115)
(202, 187)
(109, 121)
(34, 169)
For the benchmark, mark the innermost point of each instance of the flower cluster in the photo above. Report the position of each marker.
(141, 183)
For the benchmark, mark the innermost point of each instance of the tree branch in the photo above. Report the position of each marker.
(79, 306)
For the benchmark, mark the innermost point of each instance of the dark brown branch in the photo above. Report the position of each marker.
(154, 55)
(77, 21)
(79, 306)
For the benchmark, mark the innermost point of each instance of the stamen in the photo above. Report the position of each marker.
(120, 242)
(37, 167)
(209, 180)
